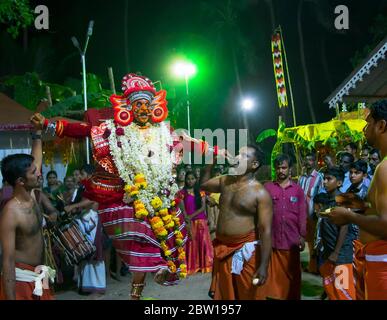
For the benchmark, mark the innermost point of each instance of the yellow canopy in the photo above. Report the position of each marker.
(321, 131)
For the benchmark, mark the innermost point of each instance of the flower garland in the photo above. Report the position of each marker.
(144, 163)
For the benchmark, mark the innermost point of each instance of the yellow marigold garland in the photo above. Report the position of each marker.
(162, 220)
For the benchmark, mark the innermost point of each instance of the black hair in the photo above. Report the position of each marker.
(216, 170)
(88, 168)
(322, 198)
(258, 153)
(311, 154)
(360, 165)
(378, 110)
(336, 172)
(50, 173)
(373, 151)
(366, 147)
(198, 197)
(15, 166)
(353, 145)
(346, 154)
(281, 158)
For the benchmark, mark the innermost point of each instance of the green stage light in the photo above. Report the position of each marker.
(184, 69)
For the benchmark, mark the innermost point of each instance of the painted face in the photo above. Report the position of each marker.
(356, 176)
(331, 183)
(142, 111)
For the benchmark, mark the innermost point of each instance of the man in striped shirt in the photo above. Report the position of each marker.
(312, 184)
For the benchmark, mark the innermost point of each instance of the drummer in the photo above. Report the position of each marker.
(24, 276)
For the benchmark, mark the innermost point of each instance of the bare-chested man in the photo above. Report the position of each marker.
(241, 264)
(21, 229)
(373, 224)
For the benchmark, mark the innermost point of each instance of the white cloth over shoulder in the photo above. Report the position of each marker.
(242, 255)
(31, 276)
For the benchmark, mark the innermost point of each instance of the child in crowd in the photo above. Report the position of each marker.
(359, 179)
(334, 243)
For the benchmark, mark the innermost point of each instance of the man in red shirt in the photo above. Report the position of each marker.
(288, 230)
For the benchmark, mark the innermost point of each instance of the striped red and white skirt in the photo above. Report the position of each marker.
(135, 241)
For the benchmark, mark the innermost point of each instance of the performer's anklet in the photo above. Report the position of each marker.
(137, 290)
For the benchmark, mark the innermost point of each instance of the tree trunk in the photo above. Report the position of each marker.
(25, 39)
(303, 61)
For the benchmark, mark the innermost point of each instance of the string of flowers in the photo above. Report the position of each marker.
(144, 163)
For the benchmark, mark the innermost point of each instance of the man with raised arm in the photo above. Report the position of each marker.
(242, 247)
(24, 277)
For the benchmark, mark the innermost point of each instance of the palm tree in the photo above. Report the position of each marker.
(229, 38)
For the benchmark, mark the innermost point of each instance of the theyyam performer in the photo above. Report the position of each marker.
(135, 151)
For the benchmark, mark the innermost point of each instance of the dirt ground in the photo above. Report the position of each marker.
(193, 288)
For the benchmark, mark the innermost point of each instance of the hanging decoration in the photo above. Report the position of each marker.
(279, 75)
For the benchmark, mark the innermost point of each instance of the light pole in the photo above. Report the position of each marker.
(83, 61)
(185, 69)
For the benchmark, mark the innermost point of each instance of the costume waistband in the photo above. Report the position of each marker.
(236, 239)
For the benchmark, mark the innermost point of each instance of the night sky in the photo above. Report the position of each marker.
(158, 31)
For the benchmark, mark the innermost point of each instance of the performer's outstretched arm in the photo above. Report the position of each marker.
(62, 128)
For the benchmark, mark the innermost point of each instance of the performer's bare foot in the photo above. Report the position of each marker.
(161, 276)
(137, 290)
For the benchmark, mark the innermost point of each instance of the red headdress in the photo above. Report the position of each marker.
(137, 87)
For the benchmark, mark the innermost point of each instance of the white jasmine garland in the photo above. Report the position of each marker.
(133, 158)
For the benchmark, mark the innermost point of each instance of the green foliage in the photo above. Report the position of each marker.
(16, 15)
(96, 100)
(266, 134)
(29, 90)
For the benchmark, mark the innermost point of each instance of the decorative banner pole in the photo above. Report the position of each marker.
(279, 52)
